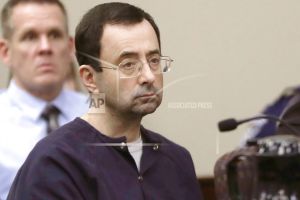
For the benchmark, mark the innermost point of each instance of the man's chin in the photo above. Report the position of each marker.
(47, 85)
(49, 81)
(145, 109)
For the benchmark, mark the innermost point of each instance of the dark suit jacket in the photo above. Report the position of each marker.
(78, 162)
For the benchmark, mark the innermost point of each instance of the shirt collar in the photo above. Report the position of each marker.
(151, 141)
(146, 135)
(63, 102)
(150, 137)
(32, 105)
(24, 101)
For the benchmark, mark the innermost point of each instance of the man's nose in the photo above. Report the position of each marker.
(146, 76)
(44, 45)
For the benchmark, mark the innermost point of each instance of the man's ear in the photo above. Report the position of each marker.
(4, 51)
(71, 46)
(88, 78)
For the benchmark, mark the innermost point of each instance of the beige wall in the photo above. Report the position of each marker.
(231, 57)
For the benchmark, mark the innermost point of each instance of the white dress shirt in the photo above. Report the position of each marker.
(22, 126)
(135, 148)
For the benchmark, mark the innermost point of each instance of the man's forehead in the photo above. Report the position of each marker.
(129, 38)
(33, 14)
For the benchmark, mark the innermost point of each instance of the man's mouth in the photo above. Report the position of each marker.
(46, 66)
(147, 95)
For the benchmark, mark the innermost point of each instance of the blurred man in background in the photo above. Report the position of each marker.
(38, 50)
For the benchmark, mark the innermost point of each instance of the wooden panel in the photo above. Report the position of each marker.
(208, 187)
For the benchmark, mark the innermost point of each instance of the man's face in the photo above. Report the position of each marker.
(39, 49)
(140, 95)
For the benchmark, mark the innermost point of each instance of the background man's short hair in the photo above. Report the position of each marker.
(90, 29)
(7, 10)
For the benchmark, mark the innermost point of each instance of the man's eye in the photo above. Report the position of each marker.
(154, 61)
(128, 65)
(29, 36)
(55, 35)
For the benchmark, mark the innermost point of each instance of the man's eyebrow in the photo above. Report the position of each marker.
(30, 29)
(156, 51)
(132, 54)
(125, 54)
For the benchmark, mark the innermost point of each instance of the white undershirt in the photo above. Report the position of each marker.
(135, 148)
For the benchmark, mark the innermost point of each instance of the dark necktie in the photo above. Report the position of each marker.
(50, 115)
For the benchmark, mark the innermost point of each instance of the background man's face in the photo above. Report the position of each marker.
(39, 49)
(137, 95)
